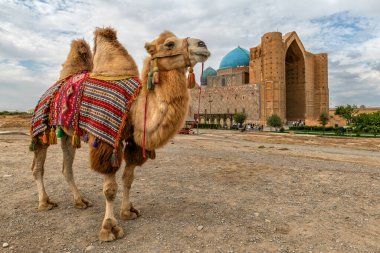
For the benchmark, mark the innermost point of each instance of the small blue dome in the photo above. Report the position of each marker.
(237, 57)
(208, 72)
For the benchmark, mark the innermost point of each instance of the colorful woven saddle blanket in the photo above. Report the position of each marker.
(84, 103)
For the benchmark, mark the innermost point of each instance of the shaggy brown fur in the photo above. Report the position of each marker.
(111, 59)
(78, 60)
(133, 153)
(100, 157)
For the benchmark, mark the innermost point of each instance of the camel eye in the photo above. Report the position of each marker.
(169, 44)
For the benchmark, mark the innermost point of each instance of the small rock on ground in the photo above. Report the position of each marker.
(89, 248)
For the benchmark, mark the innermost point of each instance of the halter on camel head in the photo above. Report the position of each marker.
(154, 72)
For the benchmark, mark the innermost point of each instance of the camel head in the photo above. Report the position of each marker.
(111, 58)
(79, 59)
(172, 52)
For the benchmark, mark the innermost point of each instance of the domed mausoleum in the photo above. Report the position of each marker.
(208, 72)
(233, 70)
(278, 76)
(235, 58)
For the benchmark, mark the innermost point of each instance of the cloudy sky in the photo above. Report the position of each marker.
(35, 37)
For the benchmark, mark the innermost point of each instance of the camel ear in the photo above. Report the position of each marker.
(150, 48)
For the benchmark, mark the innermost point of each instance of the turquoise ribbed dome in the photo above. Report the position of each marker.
(208, 72)
(237, 57)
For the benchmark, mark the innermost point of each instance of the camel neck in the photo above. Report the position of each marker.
(166, 108)
(173, 83)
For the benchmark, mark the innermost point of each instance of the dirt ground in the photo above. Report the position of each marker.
(219, 191)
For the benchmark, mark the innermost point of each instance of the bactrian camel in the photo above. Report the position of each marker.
(162, 101)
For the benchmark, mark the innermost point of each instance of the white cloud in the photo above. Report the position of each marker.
(35, 37)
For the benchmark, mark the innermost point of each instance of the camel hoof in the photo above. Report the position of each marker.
(82, 203)
(110, 231)
(118, 232)
(130, 214)
(106, 235)
(137, 212)
(48, 205)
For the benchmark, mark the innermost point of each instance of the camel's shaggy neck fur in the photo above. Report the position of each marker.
(111, 59)
(167, 106)
(78, 60)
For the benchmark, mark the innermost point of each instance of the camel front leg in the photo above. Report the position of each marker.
(127, 211)
(67, 171)
(110, 229)
(38, 169)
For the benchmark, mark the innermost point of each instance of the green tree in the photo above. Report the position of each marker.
(240, 117)
(367, 122)
(323, 120)
(274, 121)
(347, 112)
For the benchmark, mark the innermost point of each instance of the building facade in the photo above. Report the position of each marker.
(276, 77)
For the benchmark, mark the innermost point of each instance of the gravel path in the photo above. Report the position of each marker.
(215, 192)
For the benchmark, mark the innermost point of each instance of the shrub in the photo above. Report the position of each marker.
(240, 117)
(274, 121)
(311, 128)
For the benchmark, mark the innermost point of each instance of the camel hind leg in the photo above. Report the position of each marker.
(67, 171)
(44, 203)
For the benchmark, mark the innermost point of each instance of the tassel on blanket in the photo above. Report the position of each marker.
(32, 145)
(52, 137)
(60, 132)
(115, 159)
(85, 139)
(44, 138)
(75, 140)
(191, 79)
(95, 143)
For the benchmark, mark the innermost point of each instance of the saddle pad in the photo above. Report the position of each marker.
(84, 103)
(67, 102)
(105, 106)
(40, 118)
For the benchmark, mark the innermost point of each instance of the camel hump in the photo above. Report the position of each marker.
(78, 60)
(107, 33)
(81, 47)
(111, 58)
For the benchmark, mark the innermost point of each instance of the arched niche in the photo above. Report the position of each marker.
(295, 80)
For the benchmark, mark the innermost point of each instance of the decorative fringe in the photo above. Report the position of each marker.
(114, 159)
(32, 145)
(85, 139)
(95, 143)
(44, 138)
(60, 132)
(52, 137)
(191, 79)
(156, 77)
(156, 74)
(75, 140)
(150, 81)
